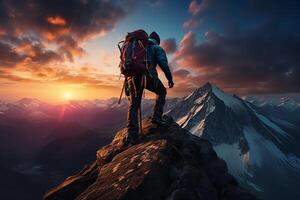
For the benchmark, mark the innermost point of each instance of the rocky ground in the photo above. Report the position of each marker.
(167, 163)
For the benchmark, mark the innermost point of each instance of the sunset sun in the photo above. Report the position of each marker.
(67, 95)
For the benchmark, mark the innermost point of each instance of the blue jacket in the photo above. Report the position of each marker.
(157, 56)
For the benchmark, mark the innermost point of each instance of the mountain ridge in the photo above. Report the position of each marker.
(252, 143)
(167, 160)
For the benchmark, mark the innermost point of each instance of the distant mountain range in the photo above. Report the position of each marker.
(258, 136)
(288, 102)
(284, 109)
(41, 144)
(37, 136)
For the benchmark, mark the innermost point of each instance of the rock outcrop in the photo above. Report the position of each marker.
(167, 163)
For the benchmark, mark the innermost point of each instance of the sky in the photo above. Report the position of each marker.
(58, 50)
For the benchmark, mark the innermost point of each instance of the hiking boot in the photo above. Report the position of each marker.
(159, 121)
(132, 138)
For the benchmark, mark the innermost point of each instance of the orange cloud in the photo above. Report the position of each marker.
(25, 49)
(56, 20)
(54, 34)
(2, 32)
(169, 45)
(84, 82)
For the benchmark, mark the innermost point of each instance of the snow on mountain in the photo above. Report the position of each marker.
(199, 111)
(282, 109)
(230, 101)
(29, 102)
(291, 103)
(3, 107)
(96, 103)
(259, 150)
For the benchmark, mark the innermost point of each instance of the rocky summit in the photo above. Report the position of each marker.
(167, 163)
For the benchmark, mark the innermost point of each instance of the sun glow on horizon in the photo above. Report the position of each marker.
(68, 95)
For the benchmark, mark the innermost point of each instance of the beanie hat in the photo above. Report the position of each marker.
(155, 36)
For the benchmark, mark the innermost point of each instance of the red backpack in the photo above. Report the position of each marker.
(134, 53)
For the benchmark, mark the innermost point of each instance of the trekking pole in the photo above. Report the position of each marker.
(140, 120)
(123, 87)
(142, 88)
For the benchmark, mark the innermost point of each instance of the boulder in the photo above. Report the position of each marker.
(167, 163)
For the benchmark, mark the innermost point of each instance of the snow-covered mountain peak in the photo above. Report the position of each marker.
(210, 92)
(207, 104)
(251, 141)
(199, 92)
(29, 102)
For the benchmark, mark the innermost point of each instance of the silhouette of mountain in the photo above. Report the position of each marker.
(167, 163)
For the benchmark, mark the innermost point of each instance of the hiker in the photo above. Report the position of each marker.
(135, 84)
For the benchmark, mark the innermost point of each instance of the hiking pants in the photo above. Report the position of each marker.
(136, 86)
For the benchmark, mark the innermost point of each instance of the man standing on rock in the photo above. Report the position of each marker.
(150, 81)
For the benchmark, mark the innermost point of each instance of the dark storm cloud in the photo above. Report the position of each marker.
(228, 14)
(43, 56)
(25, 50)
(69, 47)
(169, 45)
(8, 57)
(81, 18)
(252, 49)
(65, 23)
(182, 73)
(261, 64)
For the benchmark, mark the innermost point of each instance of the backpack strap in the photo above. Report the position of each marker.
(141, 44)
(119, 44)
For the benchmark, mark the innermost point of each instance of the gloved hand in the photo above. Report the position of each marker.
(171, 84)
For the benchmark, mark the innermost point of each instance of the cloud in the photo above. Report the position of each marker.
(38, 37)
(69, 47)
(169, 45)
(7, 75)
(84, 77)
(181, 73)
(37, 53)
(155, 3)
(64, 23)
(191, 24)
(243, 63)
(26, 51)
(8, 57)
(248, 47)
(56, 20)
(197, 7)
(79, 18)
